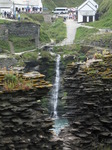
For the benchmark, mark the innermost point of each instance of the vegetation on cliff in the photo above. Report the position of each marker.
(22, 43)
(14, 81)
(90, 114)
(105, 11)
(84, 34)
(4, 46)
(56, 30)
(94, 37)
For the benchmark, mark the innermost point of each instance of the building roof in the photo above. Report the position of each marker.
(90, 3)
(5, 3)
(28, 2)
(8, 3)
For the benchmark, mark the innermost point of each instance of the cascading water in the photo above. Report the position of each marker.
(59, 123)
(55, 92)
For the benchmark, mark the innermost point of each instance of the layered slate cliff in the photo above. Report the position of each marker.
(24, 124)
(89, 105)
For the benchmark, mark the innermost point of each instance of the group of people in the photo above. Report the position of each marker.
(70, 16)
(11, 15)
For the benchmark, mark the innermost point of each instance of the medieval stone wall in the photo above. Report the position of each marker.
(20, 29)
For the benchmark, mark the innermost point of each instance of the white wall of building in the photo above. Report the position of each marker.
(9, 5)
(88, 8)
(85, 11)
(28, 3)
(5, 5)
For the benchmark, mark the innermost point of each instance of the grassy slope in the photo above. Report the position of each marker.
(57, 30)
(51, 4)
(105, 10)
(84, 34)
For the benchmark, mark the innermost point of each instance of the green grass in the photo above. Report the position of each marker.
(29, 56)
(51, 4)
(2, 21)
(22, 43)
(105, 10)
(84, 34)
(44, 38)
(4, 45)
(34, 18)
(46, 54)
(56, 30)
(74, 50)
(105, 38)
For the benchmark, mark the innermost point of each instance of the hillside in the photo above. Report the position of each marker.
(51, 4)
(105, 11)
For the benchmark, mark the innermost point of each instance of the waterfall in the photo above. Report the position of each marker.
(59, 122)
(55, 91)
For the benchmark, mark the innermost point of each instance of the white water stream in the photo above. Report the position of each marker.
(59, 123)
(55, 92)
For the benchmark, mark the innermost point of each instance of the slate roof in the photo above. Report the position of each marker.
(8, 3)
(5, 3)
(90, 3)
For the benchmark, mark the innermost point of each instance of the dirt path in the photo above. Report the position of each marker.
(71, 26)
(71, 32)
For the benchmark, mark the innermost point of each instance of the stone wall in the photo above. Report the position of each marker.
(20, 29)
(23, 29)
(102, 43)
(3, 32)
(89, 105)
(7, 62)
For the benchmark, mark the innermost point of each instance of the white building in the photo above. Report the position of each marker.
(11, 5)
(5, 5)
(25, 4)
(87, 11)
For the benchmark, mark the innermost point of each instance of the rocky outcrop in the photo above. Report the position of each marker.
(89, 110)
(7, 62)
(24, 124)
(43, 65)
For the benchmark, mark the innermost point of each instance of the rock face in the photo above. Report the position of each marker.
(89, 99)
(43, 65)
(24, 124)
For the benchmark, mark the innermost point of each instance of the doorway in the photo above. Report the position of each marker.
(90, 18)
(84, 18)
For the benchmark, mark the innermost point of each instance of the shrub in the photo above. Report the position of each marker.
(12, 82)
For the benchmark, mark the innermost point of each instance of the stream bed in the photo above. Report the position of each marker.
(59, 123)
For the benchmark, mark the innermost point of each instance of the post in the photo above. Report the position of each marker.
(93, 18)
(87, 18)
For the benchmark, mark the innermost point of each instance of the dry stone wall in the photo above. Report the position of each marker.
(20, 29)
(23, 29)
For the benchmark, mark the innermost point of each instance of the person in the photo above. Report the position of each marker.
(18, 17)
(64, 19)
(3, 14)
